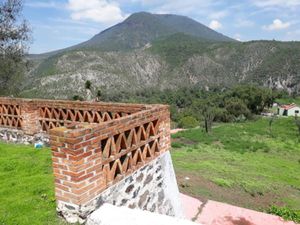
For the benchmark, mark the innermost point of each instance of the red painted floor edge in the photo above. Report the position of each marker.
(217, 213)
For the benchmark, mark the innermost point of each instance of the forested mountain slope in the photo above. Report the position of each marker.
(162, 52)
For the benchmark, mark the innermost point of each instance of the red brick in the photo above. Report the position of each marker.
(76, 154)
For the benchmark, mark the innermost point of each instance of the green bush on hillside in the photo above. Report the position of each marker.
(188, 122)
(285, 213)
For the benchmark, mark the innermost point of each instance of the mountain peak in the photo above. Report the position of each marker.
(142, 13)
(143, 27)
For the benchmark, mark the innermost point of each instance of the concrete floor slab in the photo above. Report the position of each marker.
(217, 213)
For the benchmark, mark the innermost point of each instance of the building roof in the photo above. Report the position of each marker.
(287, 107)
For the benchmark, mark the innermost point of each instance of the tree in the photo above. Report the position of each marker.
(14, 36)
(88, 85)
(98, 96)
(209, 114)
(271, 120)
(297, 122)
(255, 98)
(237, 107)
(77, 98)
(88, 89)
(187, 122)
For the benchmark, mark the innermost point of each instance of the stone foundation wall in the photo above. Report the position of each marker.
(152, 188)
(19, 137)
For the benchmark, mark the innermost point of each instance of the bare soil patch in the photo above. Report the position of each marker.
(204, 189)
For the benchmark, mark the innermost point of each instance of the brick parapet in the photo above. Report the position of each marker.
(90, 158)
(37, 115)
(104, 106)
(94, 145)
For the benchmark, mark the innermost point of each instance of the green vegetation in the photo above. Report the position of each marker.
(48, 67)
(285, 213)
(179, 60)
(241, 163)
(178, 48)
(27, 186)
(235, 104)
(188, 122)
(14, 39)
(88, 85)
(171, 52)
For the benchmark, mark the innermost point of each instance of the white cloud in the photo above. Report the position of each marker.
(237, 37)
(215, 25)
(277, 25)
(101, 11)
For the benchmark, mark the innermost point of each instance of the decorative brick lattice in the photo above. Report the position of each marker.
(10, 115)
(123, 153)
(51, 117)
(104, 143)
(34, 116)
(92, 157)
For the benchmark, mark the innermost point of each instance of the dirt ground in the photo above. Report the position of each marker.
(198, 187)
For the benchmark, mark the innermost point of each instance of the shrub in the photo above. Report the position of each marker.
(88, 85)
(177, 145)
(285, 213)
(222, 115)
(99, 93)
(188, 122)
(222, 182)
(237, 108)
(77, 98)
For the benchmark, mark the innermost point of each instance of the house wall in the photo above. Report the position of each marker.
(292, 112)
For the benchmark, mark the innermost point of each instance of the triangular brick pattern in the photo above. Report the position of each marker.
(125, 152)
(90, 158)
(10, 116)
(51, 117)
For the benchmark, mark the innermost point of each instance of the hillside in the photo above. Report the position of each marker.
(160, 52)
(142, 28)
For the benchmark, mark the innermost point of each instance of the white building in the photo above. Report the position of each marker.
(289, 110)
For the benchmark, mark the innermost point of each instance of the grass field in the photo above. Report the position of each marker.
(26, 189)
(241, 164)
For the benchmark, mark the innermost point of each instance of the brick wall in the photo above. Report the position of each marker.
(94, 145)
(90, 158)
(36, 115)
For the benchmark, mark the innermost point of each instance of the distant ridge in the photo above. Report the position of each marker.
(162, 51)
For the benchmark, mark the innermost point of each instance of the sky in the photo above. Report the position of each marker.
(58, 24)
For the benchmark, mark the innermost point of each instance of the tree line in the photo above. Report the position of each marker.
(193, 105)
